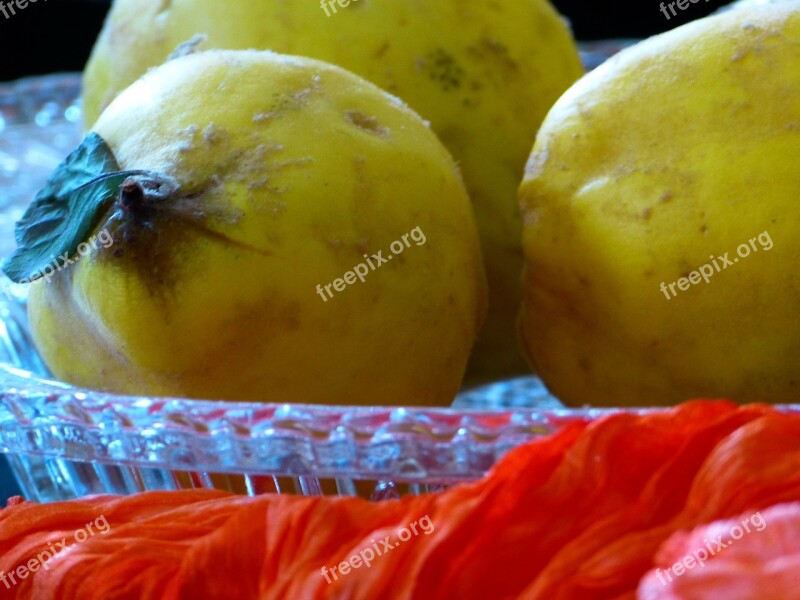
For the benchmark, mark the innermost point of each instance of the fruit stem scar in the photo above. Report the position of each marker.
(138, 193)
(131, 196)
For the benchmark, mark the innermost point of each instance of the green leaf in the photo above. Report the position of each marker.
(66, 210)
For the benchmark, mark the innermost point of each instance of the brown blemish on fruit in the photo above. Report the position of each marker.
(282, 103)
(443, 68)
(367, 123)
(155, 226)
(382, 50)
(489, 49)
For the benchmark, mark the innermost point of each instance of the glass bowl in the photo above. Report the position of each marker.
(63, 442)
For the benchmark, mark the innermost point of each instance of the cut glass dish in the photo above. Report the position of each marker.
(63, 442)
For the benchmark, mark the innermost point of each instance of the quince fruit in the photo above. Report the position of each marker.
(483, 73)
(671, 167)
(248, 182)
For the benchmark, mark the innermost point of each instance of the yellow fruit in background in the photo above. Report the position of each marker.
(483, 73)
(678, 156)
(292, 172)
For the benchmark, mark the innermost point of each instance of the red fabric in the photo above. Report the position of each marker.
(584, 513)
(761, 561)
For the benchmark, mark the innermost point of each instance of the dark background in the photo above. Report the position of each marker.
(57, 35)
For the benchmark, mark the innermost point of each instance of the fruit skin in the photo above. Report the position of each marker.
(484, 74)
(293, 169)
(680, 148)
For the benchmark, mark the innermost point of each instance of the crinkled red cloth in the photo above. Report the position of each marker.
(580, 514)
(760, 563)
